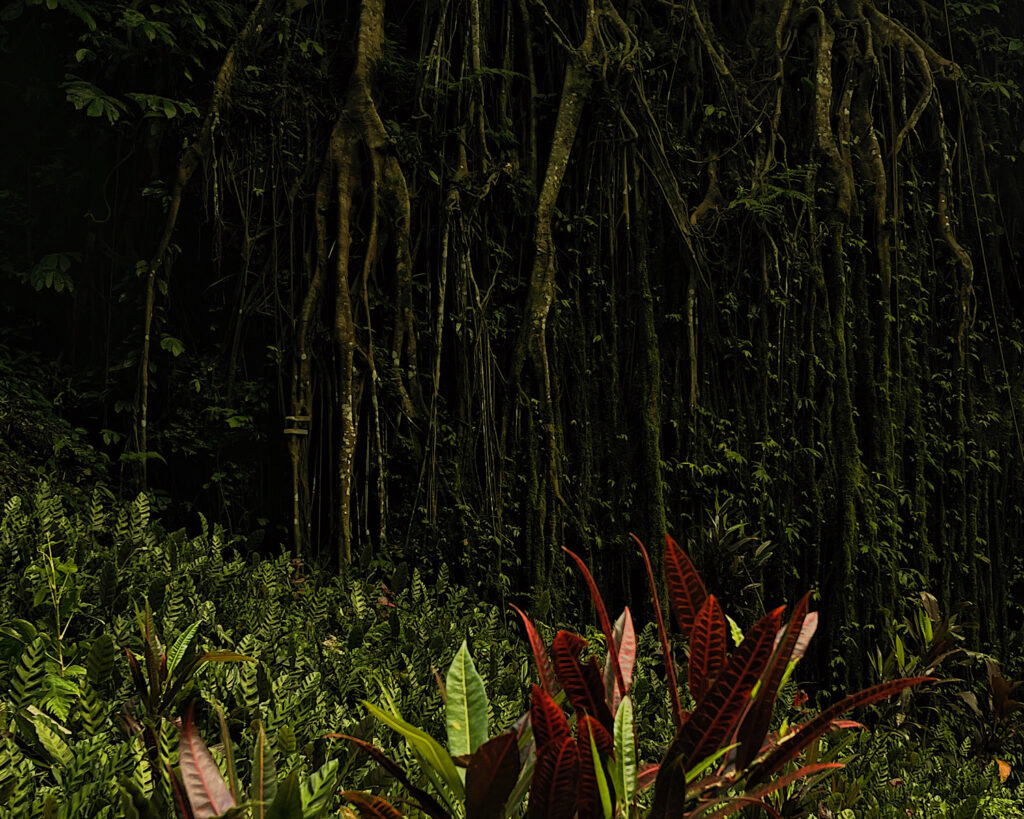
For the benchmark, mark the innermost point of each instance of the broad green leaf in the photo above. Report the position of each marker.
(602, 781)
(467, 705)
(56, 748)
(287, 803)
(430, 751)
(318, 789)
(625, 752)
(180, 646)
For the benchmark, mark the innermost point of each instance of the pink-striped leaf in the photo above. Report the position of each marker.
(207, 791)
(625, 642)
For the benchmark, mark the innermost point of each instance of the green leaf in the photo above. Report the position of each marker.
(602, 781)
(56, 748)
(288, 802)
(625, 752)
(438, 763)
(467, 705)
(172, 345)
(735, 631)
(318, 789)
(177, 651)
(264, 775)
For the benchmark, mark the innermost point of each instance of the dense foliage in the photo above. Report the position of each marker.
(127, 651)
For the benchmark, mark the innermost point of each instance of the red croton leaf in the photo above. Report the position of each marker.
(602, 616)
(548, 719)
(625, 642)
(370, 806)
(492, 773)
(707, 647)
(714, 719)
(670, 669)
(809, 731)
(555, 778)
(757, 721)
(540, 656)
(588, 799)
(685, 588)
(583, 684)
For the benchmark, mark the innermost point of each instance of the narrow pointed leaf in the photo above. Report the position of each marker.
(370, 806)
(625, 642)
(600, 776)
(707, 647)
(685, 588)
(625, 753)
(759, 794)
(540, 655)
(177, 651)
(805, 734)
(757, 721)
(491, 775)
(666, 650)
(426, 746)
(264, 775)
(715, 716)
(553, 790)
(602, 616)
(466, 709)
(229, 755)
(208, 794)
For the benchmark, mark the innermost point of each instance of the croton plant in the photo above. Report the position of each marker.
(574, 752)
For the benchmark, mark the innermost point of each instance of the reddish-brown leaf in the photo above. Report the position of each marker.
(555, 777)
(686, 590)
(713, 720)
(707, 647)
(757, 720)
(588, 798)
(370, 806)
(757, 796)
(540, 656)
(670, 669)
(492, 773)
(809, 731)
(208, 794)
(602, 616)
(548, 719)
(646, 775)
(428, 804)
(583, 685)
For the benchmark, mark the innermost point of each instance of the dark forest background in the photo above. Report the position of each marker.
(463, 281)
